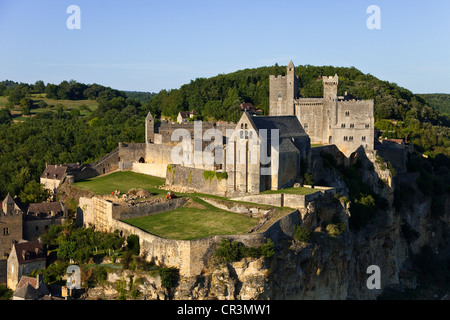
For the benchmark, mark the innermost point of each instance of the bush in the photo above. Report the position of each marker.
(229, 251)
(169, 276)
(301, 233)
(335, 230)
(5, 293)
(133, 244)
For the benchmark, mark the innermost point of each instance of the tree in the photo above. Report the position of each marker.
(39, 86)
(5, 116)
(133, 244)
(25, 105)
(301, 233)
(34, 192)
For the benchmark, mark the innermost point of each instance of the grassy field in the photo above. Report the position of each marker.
(194, 222)
(52, 103)
(300, 191)
(122, 181)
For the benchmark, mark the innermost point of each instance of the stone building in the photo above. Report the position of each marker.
(40, 216)
(11, 224)
(265, 153)
(30, 288)
(23, 259)
(339, 120)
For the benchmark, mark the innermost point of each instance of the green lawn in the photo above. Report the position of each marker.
(300, 191)
(187, 223)
(122, 181)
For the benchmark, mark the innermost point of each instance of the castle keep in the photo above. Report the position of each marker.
(332, 119)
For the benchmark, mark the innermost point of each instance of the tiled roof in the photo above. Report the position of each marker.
(32, 249)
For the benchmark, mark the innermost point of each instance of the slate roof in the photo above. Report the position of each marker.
(44, 207)
(288, 126)
(28, 288)
(54, 172)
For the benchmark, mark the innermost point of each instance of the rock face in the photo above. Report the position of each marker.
(327, 267)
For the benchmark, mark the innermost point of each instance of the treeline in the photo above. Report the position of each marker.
(63, 137)
(66, 90)
(438, 101)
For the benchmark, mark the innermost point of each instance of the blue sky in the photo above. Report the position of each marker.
(154, 45)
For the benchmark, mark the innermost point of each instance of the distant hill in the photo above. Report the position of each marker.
(438, 101)
(139, 95)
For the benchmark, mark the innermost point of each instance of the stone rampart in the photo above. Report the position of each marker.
(190, 256)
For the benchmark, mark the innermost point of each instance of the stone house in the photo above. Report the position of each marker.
(184, 116)
(23, 259)
(30, 288)
(40, 216)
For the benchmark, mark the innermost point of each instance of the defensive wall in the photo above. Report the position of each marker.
(190, 256)
(297, 201)
(196, 180)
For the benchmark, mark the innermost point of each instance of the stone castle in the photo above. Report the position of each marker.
(339, 120)
(253, 167)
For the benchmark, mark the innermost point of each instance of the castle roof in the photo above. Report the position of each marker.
(46, 208)
(288, 126)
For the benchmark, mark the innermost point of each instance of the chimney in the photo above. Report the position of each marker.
(39, 279)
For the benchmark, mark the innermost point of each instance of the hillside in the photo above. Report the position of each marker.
(438, 101)
(57, 135)
(218, 98)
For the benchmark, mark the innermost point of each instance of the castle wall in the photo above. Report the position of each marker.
(190, 256)
(357, 117)
(309, 112)
(191, 179)
(11, 229)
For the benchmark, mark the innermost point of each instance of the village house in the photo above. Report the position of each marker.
(23, 259)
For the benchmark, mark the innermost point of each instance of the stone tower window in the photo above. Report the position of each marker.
(242, 134)
(350, 138)
(242, 126)
(280, 96)
(245, 126)
(347, 113)
(306, 127)
(352, 125)
(363, 138)
(342, 125)
(367, 126)
(345, 138)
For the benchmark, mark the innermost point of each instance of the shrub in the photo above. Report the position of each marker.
(229, 251)
(301, 233)
(133, 244)
(169, 276)
(335, 230)
(308, 179)
(5, 293)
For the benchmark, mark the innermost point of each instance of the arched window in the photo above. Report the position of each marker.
(306, 127)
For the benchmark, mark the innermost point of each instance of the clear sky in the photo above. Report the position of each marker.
(153, 45)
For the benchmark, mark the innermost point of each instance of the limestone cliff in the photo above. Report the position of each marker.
(334, 267)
